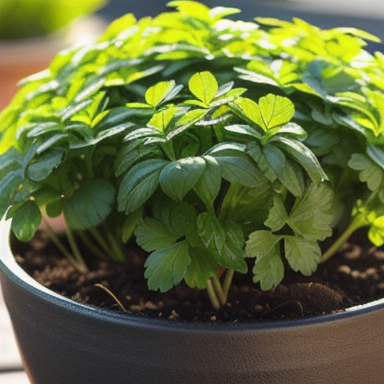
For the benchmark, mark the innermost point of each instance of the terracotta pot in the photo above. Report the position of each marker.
(62, 341)
(20, 58)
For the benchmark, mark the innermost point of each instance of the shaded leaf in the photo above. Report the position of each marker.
(179, 177)
(90, 204)
(26, 220)
(139, 184)
(151, 234)
(167, 266)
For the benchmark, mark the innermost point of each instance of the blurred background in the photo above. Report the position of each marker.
(25, 49)
(362, 14)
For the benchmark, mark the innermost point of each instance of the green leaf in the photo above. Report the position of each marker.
(139, 184)
(142, 133)
(275, 111)
(209, 184)
(9, 185)
(302, 255)
(370, 172)
(271, 112)
(151, 234)
(133, 153)
(269, 271)
(162, 119)
(290, 176)
(211, 232)
(204, 86)
(311, 217)
(26, 220)
(167, 266)
(90, 204)
(203, 267)
(187, 120)
(130, 224)
(158, 92)
(180, 176)
(261, 243)
(224, 242)
(44, 165)
(232, 256)
(303, 155)
(278, 216)
(243, 130)
(236, 165)
(269, 268)
(376, 231)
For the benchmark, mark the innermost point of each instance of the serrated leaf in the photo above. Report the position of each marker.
(269, 270)
(370, 172)
(152, 234)
(26, 220)
(167, 266)
(90, 204)
(158, 92)
(181, 218)
(260, 243)
(139, 184)
(203, 267)
(302, 255)
(311, 217)
(204, 86)
(233, 252)
(180, 176)
(278, 216)
(211, 232)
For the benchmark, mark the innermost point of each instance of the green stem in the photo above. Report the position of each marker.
(75, 249)
(100, 240)
(358, 222)
(218, 289)
(91, 245)
(117, 253)
(228, 282)
(212, 295)
(56, 240)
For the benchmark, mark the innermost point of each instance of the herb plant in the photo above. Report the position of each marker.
(206, 141)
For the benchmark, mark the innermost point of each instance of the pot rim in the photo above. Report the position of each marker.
(13, 271)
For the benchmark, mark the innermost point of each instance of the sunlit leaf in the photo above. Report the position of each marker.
(204, 86)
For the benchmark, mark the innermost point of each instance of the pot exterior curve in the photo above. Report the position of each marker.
(65, 342)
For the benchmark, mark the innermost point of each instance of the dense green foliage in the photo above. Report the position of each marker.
(205, 140)
(31, 18)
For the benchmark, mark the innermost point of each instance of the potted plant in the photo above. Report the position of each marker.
(214, 149)
(32, 32)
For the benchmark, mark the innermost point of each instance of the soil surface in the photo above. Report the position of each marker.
(353, 276)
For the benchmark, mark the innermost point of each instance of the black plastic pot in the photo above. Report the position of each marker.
(64, 342)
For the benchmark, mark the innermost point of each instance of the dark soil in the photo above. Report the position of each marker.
(353, 276)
